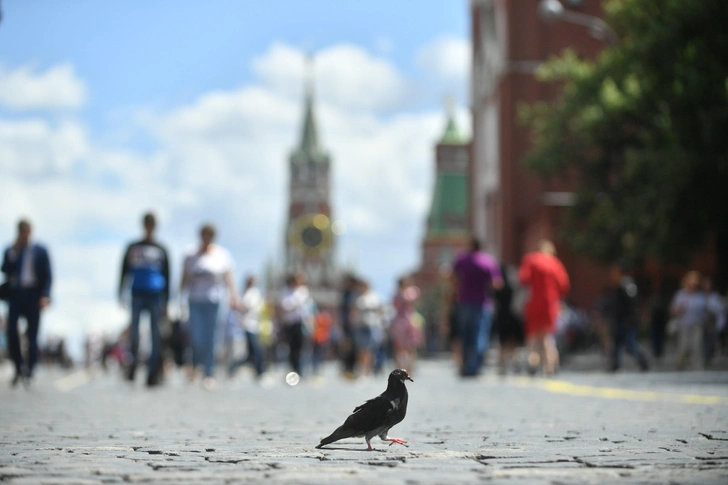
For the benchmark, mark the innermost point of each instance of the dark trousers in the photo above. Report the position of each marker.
(710, 337)
(24, 303)
(348, 354)
(294, 336)
(152, 304)
(626, 336)
(255, 355)
(657, 334)
(318, 354)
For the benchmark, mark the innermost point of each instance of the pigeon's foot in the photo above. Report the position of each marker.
(399, 441)
(319, 446)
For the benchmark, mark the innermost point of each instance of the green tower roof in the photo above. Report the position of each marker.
(449, 210)
(452, 135)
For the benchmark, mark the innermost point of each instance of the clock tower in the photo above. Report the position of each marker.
(309, 238)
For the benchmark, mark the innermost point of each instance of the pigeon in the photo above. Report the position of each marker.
(376, 416)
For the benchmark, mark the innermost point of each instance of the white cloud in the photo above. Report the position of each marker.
(58, 87)
(449, 58)
(36, 148)
(447, 61)
(223, 158)
(347, 76)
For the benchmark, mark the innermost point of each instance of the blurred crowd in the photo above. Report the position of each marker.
(211, 324)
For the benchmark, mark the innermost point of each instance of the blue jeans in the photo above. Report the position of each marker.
(318, 355)
(203, 322)
(255, 355)
(474, 322)
(152, 303)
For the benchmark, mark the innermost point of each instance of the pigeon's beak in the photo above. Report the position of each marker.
(409, 379)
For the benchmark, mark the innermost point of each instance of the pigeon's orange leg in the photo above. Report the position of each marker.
(369, 446)
(392, 441)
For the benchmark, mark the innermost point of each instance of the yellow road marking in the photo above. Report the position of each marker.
(564, 387)
(72, 381)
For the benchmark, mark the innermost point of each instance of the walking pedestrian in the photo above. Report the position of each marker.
(714, 320)
(347, 348)
(368, 329)
(27, 268)
(659, 316)
(249, 308)
(404, 334)
(145, 271)
(689, 306)
(320, 339)
(449, 319)
(507, 324)
(207, 279)
(623, 312)
(478, 275)
(295, 305)
(548, 281)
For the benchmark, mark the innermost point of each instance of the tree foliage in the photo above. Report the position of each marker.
(644, 131)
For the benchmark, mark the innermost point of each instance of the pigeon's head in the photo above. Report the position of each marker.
(400, 375)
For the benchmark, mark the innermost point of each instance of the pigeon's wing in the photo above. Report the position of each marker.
(372, 414)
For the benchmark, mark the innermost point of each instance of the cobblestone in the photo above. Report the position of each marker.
(578, 428)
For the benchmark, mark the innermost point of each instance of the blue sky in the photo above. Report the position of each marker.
(168, 52)
(110, 108)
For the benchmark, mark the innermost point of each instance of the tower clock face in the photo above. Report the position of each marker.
(311, 234)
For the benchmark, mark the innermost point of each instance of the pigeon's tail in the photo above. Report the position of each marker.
(337, 435)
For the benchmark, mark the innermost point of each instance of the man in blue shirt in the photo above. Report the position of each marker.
(27, 269)
(145, 269)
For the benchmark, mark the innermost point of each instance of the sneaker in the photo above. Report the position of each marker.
(208, 383)
(16, 379)
(154, 379)
(27, 378)
(130, 373)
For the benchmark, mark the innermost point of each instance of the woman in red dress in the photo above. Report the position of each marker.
(542, 271)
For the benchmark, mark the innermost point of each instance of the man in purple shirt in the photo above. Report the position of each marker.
(477, 274)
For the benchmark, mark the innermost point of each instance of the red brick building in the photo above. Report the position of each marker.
(513, 209)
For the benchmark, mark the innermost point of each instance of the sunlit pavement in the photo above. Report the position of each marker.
(580, 427)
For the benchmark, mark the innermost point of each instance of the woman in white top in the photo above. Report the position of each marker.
(207, 279)
(689, 306)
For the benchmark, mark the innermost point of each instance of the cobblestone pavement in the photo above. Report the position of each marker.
(578, 428)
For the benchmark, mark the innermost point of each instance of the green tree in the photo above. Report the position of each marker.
(643, 132)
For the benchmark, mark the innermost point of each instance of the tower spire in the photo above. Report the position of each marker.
(309, 137)
(452, 135)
